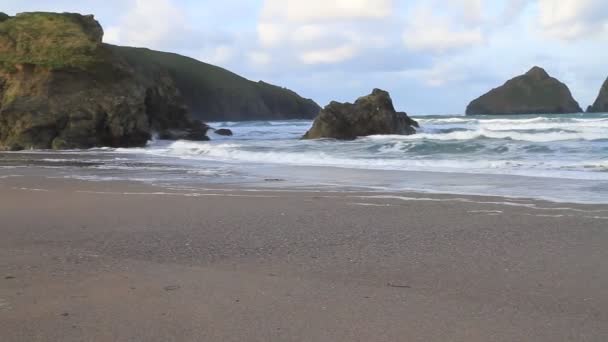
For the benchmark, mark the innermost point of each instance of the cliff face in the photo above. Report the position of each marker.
(61, 87)
(532, 93)
(601, 103)
(216, 94)
(369, 115)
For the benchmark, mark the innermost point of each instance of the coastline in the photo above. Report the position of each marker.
(123, 260)
(103, 165)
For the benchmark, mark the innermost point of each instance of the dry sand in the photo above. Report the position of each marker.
(128, 262)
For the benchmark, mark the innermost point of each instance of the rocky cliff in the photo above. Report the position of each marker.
(61, 87)
(535, 92)
(369, 115)
(601, 103)
(216, 94)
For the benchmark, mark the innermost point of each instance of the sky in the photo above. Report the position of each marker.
(433, 56)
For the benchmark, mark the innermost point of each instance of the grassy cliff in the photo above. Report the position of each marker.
(215, 94)
(62, 87)
(49, 40)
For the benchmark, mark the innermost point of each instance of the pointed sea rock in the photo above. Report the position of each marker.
(601, 103)
(535, 92)
(369, 115)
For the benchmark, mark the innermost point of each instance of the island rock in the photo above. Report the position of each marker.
(601, 103)
(369, 115)
(535, 92)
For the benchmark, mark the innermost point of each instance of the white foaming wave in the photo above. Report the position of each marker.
(500, 134)
(235, 153)
(532, 122)
(442, 121)
(515, 121)
(570, 126)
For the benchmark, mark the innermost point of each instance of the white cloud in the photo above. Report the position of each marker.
(220, 54)
(430, 31)
(328, 56)
(573, 19)
(259, 58)
(472, 10)
(319, 10)
(321, 31)
(309, 33)
(149, 23)
(270, 34)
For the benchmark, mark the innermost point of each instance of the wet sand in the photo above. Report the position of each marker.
(117, 261)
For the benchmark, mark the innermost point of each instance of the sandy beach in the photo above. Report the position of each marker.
(119, 261)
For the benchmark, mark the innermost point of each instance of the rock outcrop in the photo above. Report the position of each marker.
(369, 115)
(216, 94)
(601, 103)
(61, 87)
(535, 92)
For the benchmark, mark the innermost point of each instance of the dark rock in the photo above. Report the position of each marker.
(198, 132)
(601, 103)
(216, 94)
(369, 115)
(63, 88)
(532, 93)
(223, 131)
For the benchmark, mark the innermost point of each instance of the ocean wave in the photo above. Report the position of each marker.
(492, 134)
(237, 153)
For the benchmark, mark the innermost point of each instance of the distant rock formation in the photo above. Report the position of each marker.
(61, 87)
(601, 103)
(369, 115)
(216, 94)
(535, 92)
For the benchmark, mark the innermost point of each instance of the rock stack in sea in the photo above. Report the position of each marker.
(601, 103)
(369, 115)
(535, 92)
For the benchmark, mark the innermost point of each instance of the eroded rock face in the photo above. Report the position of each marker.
(532, 93)
(601, 103)
(60, 87)
(369, 115)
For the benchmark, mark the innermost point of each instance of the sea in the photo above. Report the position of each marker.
(562, 158)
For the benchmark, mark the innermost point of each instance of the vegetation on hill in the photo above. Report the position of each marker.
(216, 94)
(61, 87)
(50, 40)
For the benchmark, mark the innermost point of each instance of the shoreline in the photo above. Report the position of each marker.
(104, 166)
(127, 261)
(8, 180)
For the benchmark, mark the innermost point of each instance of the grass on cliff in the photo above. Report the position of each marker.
(215, 93)
(48, 39)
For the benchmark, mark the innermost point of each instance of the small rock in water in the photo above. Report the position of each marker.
(223, 131)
